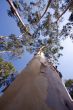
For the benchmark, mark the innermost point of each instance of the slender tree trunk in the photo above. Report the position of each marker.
(38, 87)
(17, 14)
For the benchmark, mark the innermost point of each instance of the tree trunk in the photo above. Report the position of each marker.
(38, 87)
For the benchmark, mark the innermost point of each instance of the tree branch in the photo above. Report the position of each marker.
(17, 14)
(70, 4)
(49, 2)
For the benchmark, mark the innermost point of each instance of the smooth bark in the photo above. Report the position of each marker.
(38, 87)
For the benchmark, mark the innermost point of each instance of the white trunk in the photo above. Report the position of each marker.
(38, 87)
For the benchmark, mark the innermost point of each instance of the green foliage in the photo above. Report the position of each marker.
(6, 68)
(1, 59)
(39, 26)
(55, 50)
(16, 4)
(61, 48)
(11, 43)
(71, 17)
(68, 83)
(50, 41)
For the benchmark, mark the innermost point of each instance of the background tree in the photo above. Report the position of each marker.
(6, 68)
(69, 85)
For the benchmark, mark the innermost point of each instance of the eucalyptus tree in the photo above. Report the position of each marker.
(39, 86)
(40, 21)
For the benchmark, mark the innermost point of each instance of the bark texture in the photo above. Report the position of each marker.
(38, 87)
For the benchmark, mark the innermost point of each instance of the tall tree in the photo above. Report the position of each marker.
(46, 27)
(38, 87)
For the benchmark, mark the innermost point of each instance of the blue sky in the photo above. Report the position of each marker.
(7, 24)
(66, 61)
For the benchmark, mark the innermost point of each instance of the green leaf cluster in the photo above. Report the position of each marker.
(6, 68)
